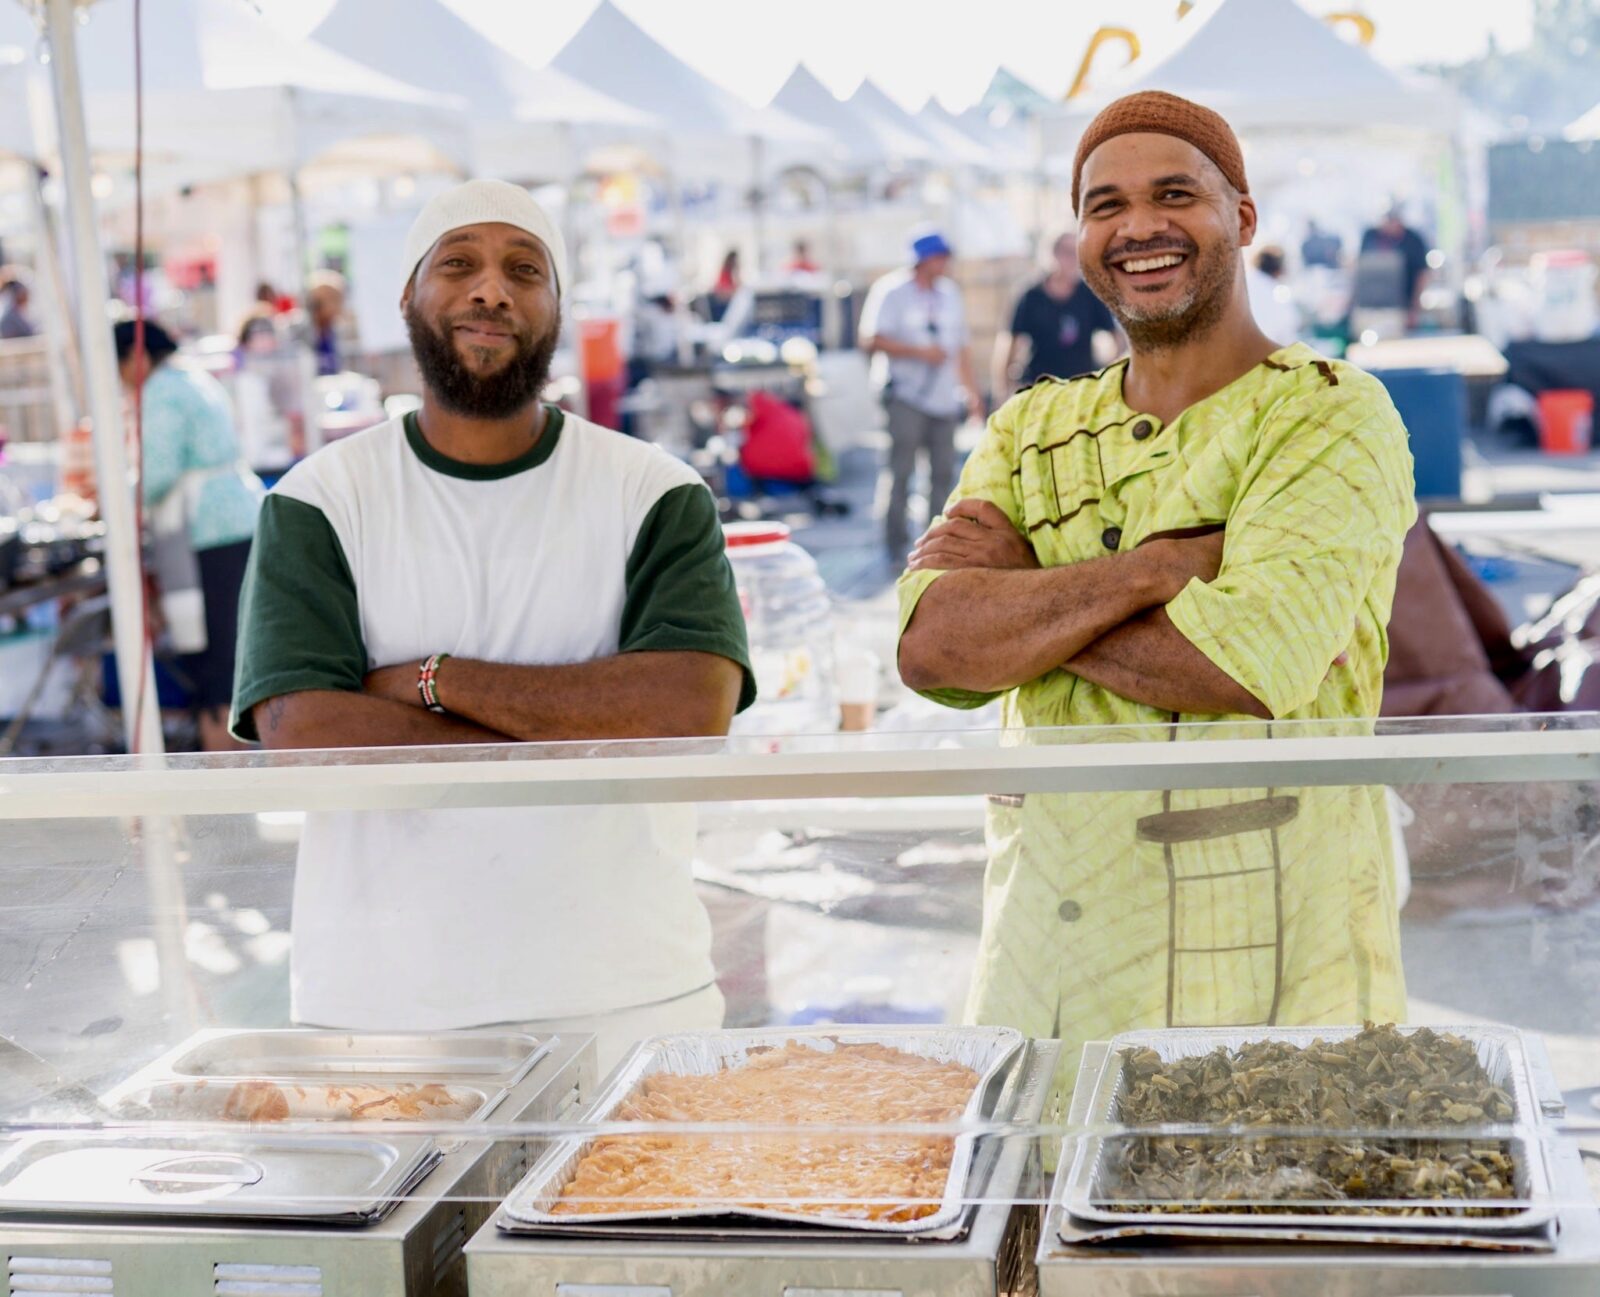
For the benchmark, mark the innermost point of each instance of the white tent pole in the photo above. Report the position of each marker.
(1041, 180)
(830, 228)
(834, 307)
(61, 354)
(572, 168)
(680, 229)
(302, 275)
(758, 202)
(135, 675)
(302, 238)
(297, 202)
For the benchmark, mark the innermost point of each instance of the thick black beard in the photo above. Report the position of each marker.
(471, 396)
(1213, 291)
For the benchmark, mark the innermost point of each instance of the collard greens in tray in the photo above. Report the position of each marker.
(1381, 1079)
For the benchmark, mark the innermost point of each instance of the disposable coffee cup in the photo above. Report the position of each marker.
(856, 681)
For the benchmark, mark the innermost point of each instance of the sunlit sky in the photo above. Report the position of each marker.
(750, 46)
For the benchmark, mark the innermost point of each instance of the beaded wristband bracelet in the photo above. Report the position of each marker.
(426, 682)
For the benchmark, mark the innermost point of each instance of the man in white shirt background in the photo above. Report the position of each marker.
(914, 324)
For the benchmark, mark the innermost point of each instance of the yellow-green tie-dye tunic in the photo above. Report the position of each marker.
(1110, 912)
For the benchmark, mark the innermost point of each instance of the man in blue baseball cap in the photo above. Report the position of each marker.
(915, 327)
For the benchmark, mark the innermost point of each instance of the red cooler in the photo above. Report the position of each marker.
(1566, 422)
(605, 376)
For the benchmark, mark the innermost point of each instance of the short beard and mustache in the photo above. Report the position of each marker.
(507, 391)
(1193, 316)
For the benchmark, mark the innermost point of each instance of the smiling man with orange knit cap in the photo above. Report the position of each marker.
(1208, 529)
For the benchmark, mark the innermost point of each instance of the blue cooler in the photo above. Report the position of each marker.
(1433, 406)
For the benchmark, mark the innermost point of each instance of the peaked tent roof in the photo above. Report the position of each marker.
(870, 101)
(1009, 91)
(615, 55)
(1269, 63)
(229, 94)
(521, 118)
(983, 122)
(219, 45)
(997, 152)
(863, 140)
(442, 52)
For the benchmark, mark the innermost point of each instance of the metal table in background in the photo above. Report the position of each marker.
(84, 632)
(86, 579)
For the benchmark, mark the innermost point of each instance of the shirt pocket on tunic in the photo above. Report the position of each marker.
(1174, 496)
(1223, 864)
(1059, 489)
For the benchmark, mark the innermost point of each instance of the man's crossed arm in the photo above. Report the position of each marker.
(997, 619)
(627, 696)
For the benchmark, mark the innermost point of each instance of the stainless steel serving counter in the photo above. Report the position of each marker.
(1571, 1269)
(992, 1255)
(414, 1251)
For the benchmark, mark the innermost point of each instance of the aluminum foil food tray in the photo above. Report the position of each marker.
(989, 1051)
(1500, 1050)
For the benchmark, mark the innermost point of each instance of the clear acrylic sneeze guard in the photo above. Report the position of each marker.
(1121, 1120)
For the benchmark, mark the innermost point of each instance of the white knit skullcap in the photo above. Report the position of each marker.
(479, 202)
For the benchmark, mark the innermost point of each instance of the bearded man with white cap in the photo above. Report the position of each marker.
(491, 569)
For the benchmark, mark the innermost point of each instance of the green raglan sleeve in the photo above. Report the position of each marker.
(680, 592)
(299, 626)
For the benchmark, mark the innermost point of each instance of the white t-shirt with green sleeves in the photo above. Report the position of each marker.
(378, 550)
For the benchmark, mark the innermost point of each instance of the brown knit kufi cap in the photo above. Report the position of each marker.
(1158, 113)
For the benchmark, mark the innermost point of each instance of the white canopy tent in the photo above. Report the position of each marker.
(228, 96)
(999, 152)
(948, 150)
(861, 140)
(708, 132)
(227, 93)
(1016, 139)
(1329, 133)
(1266, 64)
(526, 124)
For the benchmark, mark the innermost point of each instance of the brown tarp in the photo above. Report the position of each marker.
(1453, 652)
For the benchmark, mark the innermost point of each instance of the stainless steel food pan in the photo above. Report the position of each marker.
(989, 1051)
(1500, 1050)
